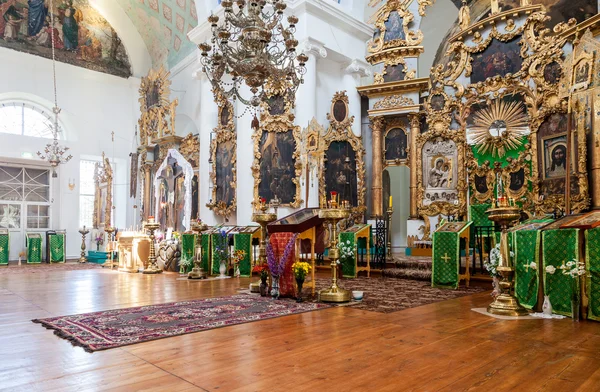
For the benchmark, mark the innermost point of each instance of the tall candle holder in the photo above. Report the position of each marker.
(198, 272)
(109, 247)
(263, 218)
(151, 226)
(332, 216)
(83, 232)
(389, 212)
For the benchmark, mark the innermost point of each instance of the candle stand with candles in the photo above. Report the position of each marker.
(151, 226)
(263, 218)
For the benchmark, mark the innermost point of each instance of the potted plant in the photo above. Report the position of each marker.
(574, 269)
(237, 257)
(263, 271)
(222, 253)
(184, 264)
(301, 270)
(99, 240)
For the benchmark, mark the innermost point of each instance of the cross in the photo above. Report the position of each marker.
(1, 249)
(189, 252)
(34, 249)
(57, 249)
(112, 135)
(446, 257)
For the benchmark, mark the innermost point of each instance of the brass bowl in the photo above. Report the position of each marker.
(504, 214)
(264, 217)
(333, 214)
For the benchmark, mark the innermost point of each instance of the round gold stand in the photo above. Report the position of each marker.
(198, 272)
(263, 219)
(152, 266)
(83, 232)
(334, 293)
(505, 304)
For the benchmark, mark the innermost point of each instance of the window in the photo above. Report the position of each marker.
(21, 118)
(87, 189)
(24, 189)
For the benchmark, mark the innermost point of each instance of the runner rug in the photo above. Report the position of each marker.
(120, 327)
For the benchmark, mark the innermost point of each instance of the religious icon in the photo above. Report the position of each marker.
(276, 105)
(481, 185)
(152, 96)
(555, 157)
(225, 115)
(498, 59)
(439, 174)
(587, 221)
(437, 102)
(394, 28)
(552, 72)
(224, 171)
(340, 171)
(277, 166)
(517, 180)
(582, 73)
(394, 73)
(339, 111)
(439, 170)
(395, 145)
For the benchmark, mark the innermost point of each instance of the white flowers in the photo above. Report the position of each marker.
(550, 269)
(533, 265)
(573, 268)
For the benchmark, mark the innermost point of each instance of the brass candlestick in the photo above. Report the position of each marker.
(109, 248)
(151, 226)
(334, 293)
(83, 233)
(263, 218)
(198, 272)
(389, 212)
(505, 304)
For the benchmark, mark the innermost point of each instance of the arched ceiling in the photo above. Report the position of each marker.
(163, 26)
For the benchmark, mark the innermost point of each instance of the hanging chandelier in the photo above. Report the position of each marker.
(253, 47)
(53, 152)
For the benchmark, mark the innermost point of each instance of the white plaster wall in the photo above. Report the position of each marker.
(93, 105)
(399, 179)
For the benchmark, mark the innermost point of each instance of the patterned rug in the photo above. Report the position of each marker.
(121, 327)
(43, 268)
(387, 295)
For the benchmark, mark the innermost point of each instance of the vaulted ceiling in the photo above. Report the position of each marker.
(163, 26)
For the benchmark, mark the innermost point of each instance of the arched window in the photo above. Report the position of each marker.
(22, 118)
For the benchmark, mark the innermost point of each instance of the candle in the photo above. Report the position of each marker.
(390, 201)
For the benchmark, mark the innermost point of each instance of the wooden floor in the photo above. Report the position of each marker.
(443, 346)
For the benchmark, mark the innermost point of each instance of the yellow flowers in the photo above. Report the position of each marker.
(301, 269)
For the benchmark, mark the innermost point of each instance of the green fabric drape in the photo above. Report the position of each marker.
(478, 215)
(559, 246)
(206, 251)
(243, 241)
(348, 265)
(4, 248)
(218, 241)
(57, 248)
(527, 247)
(592, 264)
(34, 250)
(446, 260)
(188, 249)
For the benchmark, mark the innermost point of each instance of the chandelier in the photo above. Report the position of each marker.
(53, 152)
(254, 47)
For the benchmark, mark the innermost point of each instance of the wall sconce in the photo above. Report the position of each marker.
(71, 184)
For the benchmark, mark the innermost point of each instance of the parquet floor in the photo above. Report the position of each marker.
(439, 347)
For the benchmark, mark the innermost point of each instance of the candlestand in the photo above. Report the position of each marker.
(151, 226)
(334, 293)
(389, 212)
(505, 304)
(263, 218)
(109, 247)
(83, 233)
(198, 272)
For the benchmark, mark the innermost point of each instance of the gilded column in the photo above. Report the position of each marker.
(147, 190)
(377, 124)
(415, 129)
(594, 152)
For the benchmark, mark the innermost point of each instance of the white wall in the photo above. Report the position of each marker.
(93, 105)
(399, 179)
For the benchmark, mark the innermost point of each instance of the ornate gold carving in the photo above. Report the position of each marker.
(393, 101)
(464, 16)
(279, 123)
(103, 179)
(511, 173)
(158, 113)
(190, 149)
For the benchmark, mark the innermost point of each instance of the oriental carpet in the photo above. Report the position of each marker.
(45, 268)
(120, 327)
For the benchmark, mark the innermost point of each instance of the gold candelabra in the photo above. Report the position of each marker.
(389, 212)
(198, 272)
(332, 216)
(83, 233)
(505, 304)
(109, 247)
(151, 226)
(263, 218)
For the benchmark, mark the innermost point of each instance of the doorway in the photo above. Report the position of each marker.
(396, 182)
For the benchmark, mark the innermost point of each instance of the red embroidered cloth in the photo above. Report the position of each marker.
(287, 284)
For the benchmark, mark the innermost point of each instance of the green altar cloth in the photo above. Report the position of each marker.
(4, 248)
(559, 247)
(243, 241)
(188, 249)
(34, 248)
(592, 264)
(205, 243)
(446, 254)
(57, 248)
(527, 247)
(221, 242)
(479, 216)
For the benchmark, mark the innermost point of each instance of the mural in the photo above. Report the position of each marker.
(224, 169)
(498, 59)
(340, 171)
(163, 25)
(394, 73)
(395, 145)
(82, 36)
(277, 166)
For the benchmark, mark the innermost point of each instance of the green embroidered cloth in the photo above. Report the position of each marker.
(188, 249)
(478, 215)
(219, 249)
(446, 260)
(206, 252)
(558, 247)
(592, 264)
(4, 248)
(527, 247)
(34, 249)
(243, 241)
(57, 247)
(348, 264)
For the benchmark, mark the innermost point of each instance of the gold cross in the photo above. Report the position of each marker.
(1, 249)
(34, 249)
(189, 252)
(446, 257)
(57, 249)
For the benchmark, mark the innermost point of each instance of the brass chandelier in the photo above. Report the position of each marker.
(53, 152)
(253, 46)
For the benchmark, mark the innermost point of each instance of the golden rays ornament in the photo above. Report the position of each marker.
(499, 127)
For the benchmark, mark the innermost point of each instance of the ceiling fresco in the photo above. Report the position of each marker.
(163, 25)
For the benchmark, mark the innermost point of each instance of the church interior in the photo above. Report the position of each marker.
(214, 194)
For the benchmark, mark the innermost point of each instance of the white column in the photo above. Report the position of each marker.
(352, 73)
(306, 103)
(245, 159)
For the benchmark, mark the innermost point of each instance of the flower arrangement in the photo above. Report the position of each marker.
(262, 270)
(301, 269)
(177, 236)
(494, 261)
(159, 235)
(346, 251)
(574, 269)
(184, 263)
(278, 266)
(99, 240)
(222, 247)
